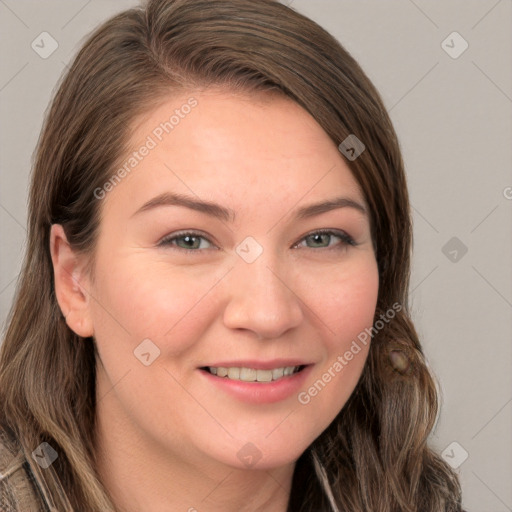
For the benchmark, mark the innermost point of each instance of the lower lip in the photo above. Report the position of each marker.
(260, 392)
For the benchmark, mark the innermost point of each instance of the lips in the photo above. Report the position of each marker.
(257, 391)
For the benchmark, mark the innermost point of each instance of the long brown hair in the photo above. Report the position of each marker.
(374, 455)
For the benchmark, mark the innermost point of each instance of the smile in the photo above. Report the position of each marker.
(253, 374)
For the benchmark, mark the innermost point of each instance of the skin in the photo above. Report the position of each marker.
(166, 438)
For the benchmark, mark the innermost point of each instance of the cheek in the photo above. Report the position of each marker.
(345, 301)
(138, 301)
(346, 307)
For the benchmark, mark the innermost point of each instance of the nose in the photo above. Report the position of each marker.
(262, 299)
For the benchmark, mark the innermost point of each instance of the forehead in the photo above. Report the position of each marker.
(234, 148)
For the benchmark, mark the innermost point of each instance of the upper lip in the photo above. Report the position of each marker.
(258, 364)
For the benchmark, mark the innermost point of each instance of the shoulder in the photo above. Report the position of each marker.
(17, 489)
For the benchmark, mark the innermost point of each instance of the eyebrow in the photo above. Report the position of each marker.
(227, 214)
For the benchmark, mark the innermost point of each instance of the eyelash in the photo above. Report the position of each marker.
(346, 240)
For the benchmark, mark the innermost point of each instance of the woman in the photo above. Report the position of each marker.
(256, 370)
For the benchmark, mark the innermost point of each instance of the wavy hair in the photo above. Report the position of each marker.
(374, 455)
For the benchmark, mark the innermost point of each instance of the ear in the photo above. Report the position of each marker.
(71, 283)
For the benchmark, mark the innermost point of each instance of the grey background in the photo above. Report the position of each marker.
(453, 118)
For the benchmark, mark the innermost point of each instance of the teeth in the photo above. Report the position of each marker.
(252, 374)
(264, 375)
(277, 373)
(234, 373)
(248, 374)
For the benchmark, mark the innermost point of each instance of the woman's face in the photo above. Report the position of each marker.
(209, 256)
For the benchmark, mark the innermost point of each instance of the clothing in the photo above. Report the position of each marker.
(19, 491)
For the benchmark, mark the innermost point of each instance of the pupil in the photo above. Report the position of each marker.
(189, 240)
(317, 238)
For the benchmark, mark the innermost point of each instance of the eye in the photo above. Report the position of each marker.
(191, 241)
(185, 240)
(325, 236)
